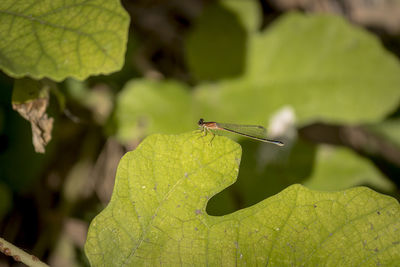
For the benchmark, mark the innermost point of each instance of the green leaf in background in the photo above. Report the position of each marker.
(57, 39)
(151, 106)
(340, 168)
(157, 215)
(248, 12)
(321, 66)
(216, 47)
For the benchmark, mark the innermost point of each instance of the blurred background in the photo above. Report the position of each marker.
(323, 76)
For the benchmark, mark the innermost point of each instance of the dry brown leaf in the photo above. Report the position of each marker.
(35, 112)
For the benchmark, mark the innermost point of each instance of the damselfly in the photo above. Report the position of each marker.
(255, 132)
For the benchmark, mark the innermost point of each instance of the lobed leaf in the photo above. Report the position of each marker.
(157, 215)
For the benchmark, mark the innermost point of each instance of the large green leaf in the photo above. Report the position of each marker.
(56, 39)
(320, 65)
(157, 215)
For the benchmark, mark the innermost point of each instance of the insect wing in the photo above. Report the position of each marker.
(247, 130)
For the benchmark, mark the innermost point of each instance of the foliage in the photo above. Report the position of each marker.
(157, 215)
(338, 169)
(56, 39)
(183, 199)
(320, 71)
(326, 71)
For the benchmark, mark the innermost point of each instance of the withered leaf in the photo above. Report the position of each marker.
(34, 110)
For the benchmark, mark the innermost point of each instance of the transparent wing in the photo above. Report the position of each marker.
(248, 130)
